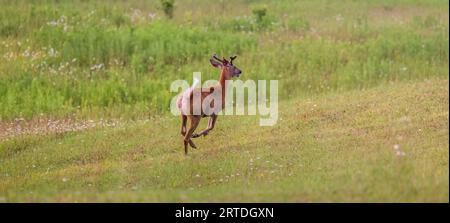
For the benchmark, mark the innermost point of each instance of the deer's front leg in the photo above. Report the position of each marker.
(211, 124)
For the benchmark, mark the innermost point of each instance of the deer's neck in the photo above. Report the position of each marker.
(222, 81)
(222, 78)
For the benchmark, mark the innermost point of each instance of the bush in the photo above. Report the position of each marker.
(168, 7)
(263, 20)
(259, 12)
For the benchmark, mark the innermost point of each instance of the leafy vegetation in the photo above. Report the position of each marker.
(62, 59)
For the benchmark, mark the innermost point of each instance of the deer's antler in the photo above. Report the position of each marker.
(231, 59)
(217, 58)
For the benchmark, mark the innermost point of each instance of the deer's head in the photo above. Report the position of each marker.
(227, 67)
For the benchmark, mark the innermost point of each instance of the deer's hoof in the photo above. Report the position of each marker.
(195, 135)
(192, 144)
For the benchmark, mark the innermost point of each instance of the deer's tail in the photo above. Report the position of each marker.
(186, 95)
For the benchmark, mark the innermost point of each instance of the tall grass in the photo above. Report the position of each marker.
(65, 57)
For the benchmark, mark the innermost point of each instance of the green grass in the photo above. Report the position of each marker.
(329, 148)
(80, 57)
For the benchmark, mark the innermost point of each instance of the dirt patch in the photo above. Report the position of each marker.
(42, 126)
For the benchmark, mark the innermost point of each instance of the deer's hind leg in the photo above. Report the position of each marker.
(183, 129)
(194, 120)
(183, 125)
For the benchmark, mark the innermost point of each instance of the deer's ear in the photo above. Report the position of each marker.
(215, 63)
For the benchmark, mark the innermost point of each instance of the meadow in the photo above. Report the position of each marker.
(363, 89)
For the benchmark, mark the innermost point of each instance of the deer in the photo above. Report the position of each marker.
(212, 95)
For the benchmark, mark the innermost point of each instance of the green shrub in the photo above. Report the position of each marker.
(263, 20)
(259, 12)
(168, 7)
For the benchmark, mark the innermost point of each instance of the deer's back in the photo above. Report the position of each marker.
(211, 98)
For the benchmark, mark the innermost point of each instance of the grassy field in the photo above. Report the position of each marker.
(338, 148)
(363, 89)
(86, 57)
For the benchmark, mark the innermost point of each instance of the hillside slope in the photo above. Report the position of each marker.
(386, 144)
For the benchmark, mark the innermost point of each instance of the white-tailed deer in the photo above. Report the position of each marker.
(190, 102)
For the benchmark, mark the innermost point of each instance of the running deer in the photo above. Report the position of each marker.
(190, 102)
